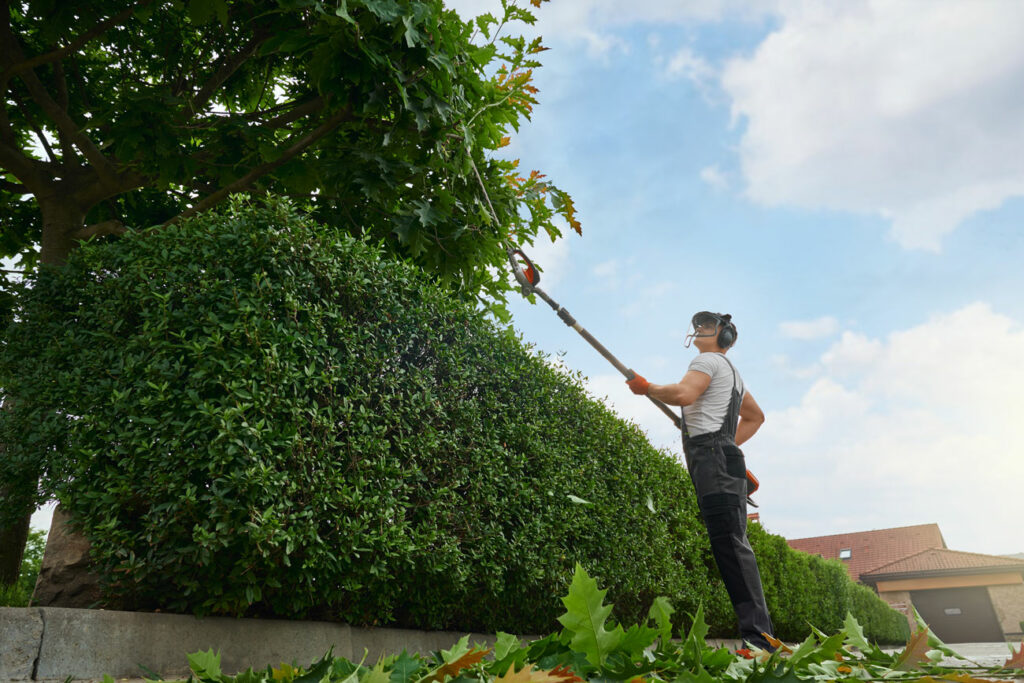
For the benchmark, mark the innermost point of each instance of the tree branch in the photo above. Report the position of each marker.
(344, 114)
(24, 168)
(15, 188)
(65, 125)
(109, 227)
(68, 127)
(228, 66)
(310, 106)
(39, 133)
(57, 55)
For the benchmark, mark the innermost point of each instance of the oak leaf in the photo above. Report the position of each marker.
(915, 652)
(778, 644)
(530, 675)
(1017, 660)
(452, 668)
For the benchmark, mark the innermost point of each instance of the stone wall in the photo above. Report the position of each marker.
(1008, 602)
(900, 601)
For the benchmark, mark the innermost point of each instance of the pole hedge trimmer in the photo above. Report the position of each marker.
(528, 278)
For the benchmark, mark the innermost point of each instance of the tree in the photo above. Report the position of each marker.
(382, 116)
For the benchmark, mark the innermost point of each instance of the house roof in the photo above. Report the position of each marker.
(941, 561)
(870, 550)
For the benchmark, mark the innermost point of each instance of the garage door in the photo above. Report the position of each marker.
(959, 615)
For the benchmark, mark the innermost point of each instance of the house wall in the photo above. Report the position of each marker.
(1008, 602)
(955, 581)
(899, 600)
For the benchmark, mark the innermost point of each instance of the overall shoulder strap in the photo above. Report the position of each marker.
(733, 368)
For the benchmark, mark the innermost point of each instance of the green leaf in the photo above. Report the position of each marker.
(504, 644)
(855, 634)
(585, 619)
(405, 668)
(377, 674)
(205, 665)
(695, 645)
(661, 612)
(577, 500)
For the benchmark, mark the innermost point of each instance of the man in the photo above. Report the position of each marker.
(718, 416)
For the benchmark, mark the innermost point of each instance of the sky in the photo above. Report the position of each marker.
(846, 178)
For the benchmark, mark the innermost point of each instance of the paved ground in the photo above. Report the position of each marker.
(986, 654)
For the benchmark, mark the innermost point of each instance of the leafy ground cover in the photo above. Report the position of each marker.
(592, 648)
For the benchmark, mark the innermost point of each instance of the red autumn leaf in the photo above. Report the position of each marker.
(453, 668)
(960, 678)
(1017, 660)
(566, 675)
(778, 645)
(915, 651)
(530, 675)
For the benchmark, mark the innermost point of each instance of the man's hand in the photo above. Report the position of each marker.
(638, 385)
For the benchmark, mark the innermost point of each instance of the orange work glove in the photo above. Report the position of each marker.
(638, 385)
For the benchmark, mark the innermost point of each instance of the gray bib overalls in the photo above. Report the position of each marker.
(719, 474)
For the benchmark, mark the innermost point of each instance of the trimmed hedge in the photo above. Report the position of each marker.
(249, 414)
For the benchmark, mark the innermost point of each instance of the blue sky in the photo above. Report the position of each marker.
(845, 178)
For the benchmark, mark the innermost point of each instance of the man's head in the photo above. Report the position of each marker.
(712, 331)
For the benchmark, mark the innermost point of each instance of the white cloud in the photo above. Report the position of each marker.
(594, 23)
(713, 176)
(685, 63)
(921, 426)
(810, 329)
(910, 110)
(606, 269)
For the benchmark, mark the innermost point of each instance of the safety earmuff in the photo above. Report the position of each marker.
(727, 334)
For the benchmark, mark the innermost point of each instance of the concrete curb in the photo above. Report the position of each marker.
(52, 643)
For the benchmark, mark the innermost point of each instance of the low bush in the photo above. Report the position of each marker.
(249, 415)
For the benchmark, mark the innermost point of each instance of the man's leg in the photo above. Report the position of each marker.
(726, 521)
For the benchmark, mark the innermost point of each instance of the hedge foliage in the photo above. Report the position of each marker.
(248, 414)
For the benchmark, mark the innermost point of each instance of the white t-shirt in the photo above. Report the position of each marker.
(708, 411)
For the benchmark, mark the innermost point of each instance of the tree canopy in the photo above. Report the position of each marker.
(381, 115)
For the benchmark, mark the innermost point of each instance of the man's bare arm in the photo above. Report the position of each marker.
(683, 393)
(751, 419)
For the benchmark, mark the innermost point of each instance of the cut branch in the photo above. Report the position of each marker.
(245, 181)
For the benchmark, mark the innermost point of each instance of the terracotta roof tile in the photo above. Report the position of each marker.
(872, 549)
(940, 559)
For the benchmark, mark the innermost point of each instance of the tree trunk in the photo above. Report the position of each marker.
(12, 548)
(60, 219)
